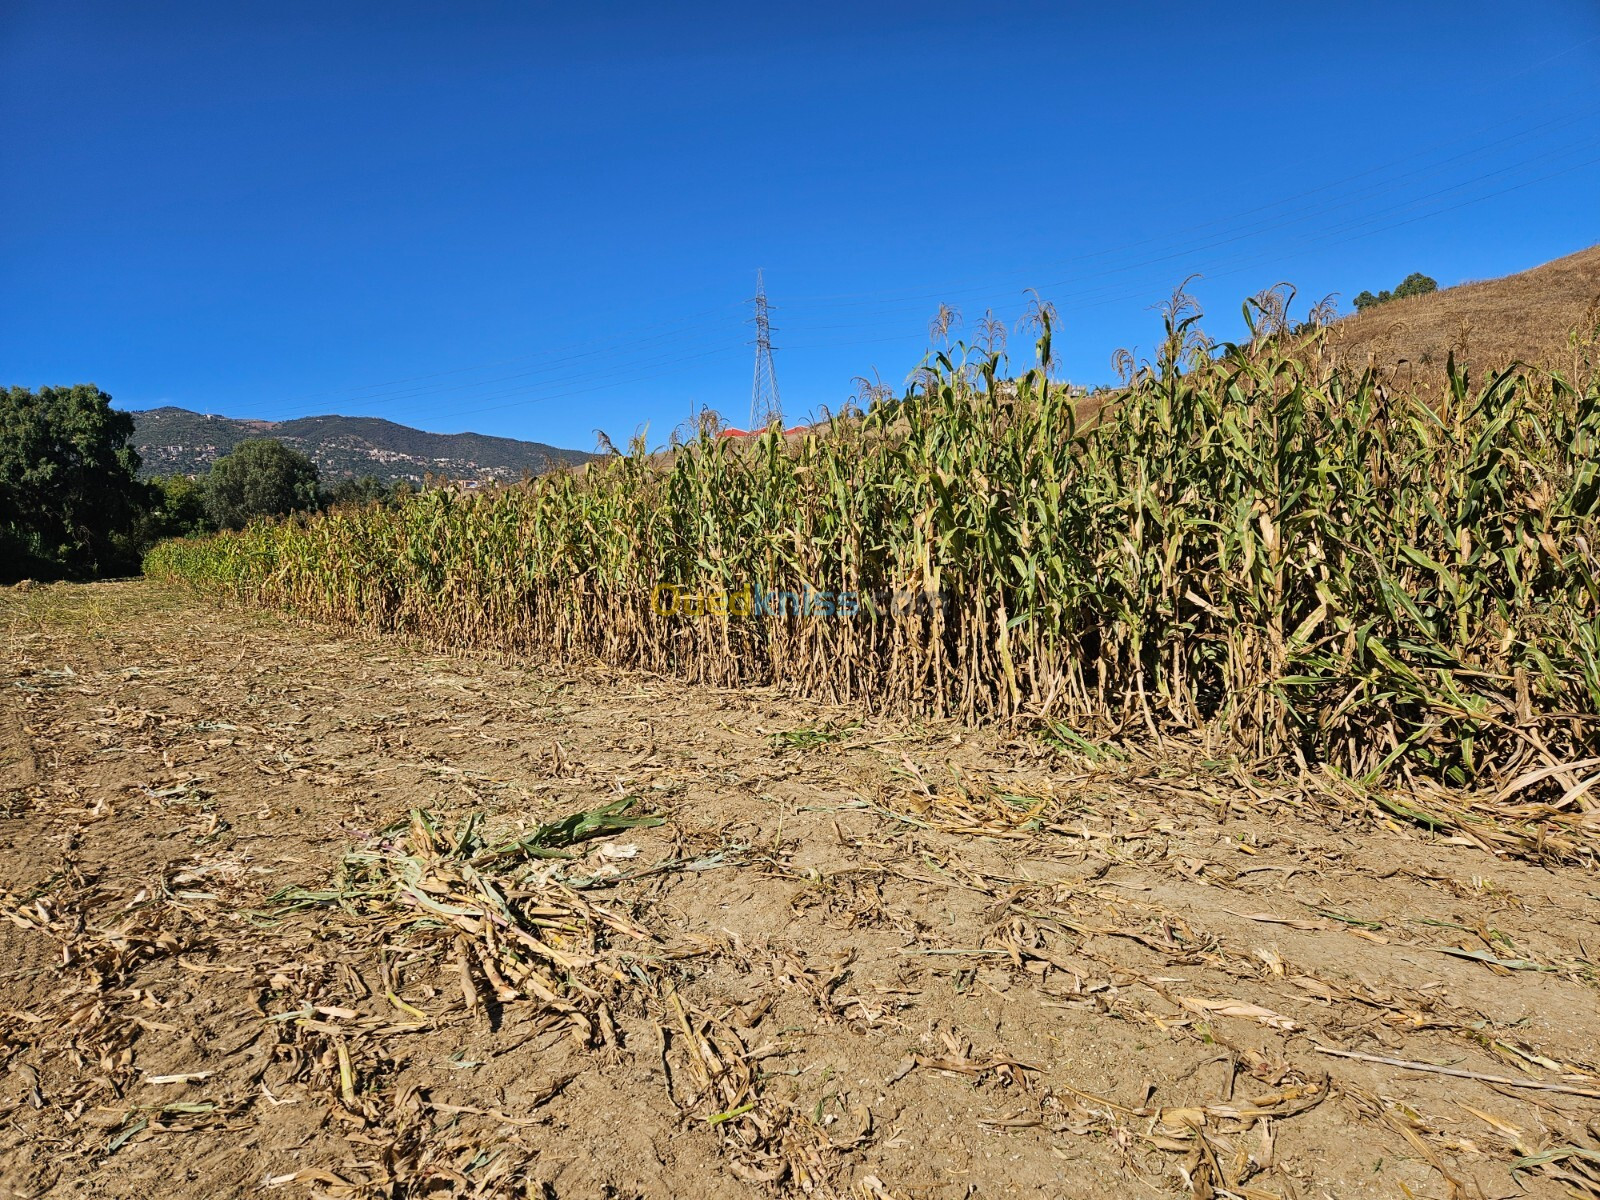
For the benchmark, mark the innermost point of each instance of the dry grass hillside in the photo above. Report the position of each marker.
(1488, 323)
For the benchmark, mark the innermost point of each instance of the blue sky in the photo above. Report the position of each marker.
(537, 220)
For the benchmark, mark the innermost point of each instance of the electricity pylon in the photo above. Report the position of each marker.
(764, 405)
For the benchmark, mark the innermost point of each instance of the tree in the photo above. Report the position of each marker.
(177, 509)
(1414, 284)
(368, 489)
(69, 488)
(261, 478)
(182, 505)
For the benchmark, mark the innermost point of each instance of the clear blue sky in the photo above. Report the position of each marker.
(538, 219)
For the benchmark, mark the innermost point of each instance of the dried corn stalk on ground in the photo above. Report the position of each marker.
(292, 912)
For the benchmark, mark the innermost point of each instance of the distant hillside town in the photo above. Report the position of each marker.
(175, 441)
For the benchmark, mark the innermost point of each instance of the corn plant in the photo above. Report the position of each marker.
(1291, 562)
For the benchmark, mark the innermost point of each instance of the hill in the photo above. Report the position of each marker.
(177, 441)
(1488, 323)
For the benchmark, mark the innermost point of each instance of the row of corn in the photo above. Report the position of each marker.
(1286, 559)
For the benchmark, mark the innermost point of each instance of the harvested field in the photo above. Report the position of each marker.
(285, 914)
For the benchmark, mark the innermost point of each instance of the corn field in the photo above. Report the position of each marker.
(1285, 560)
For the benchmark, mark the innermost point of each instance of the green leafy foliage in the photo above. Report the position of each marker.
(261, 478)
(551, 840)
(368, 489)
(70, 498)
(1414, 284)
(177, 508)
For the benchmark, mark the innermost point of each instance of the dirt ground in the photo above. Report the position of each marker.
(855, 957)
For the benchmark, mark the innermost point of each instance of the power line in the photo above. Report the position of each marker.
(381, 393)
(1109, 289)
(1229, 225)
(1108, 286)
(1097, 298)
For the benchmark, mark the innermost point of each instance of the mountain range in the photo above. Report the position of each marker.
(176, 441)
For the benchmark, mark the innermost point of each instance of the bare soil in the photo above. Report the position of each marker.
(857, 957)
